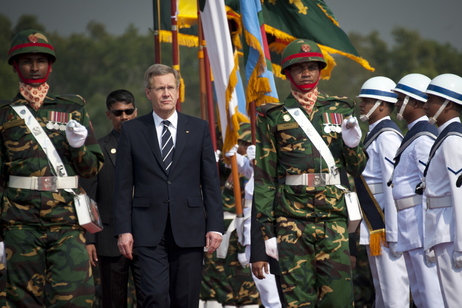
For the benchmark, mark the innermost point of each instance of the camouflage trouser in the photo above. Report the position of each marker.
(226, 281)
(315, 263)
(48, 269)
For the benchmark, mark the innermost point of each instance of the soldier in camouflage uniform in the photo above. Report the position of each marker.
(299, 200)
(47, 263)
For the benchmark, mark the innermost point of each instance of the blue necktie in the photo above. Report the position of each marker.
(167, 145)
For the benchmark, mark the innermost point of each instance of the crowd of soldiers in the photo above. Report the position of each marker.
(291, 245)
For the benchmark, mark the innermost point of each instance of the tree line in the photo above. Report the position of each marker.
(96, 62)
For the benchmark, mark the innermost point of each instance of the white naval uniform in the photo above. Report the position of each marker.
(425, 289)
(389, 274)
(267, 287)
(443, 225)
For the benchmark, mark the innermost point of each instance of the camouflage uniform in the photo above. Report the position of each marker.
(45, 244)
(310, 223)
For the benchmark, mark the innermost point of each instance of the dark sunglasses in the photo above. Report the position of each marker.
(118, 113)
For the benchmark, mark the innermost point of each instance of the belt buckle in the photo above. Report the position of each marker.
(47, 183)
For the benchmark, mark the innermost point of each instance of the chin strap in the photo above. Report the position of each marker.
(31, 81)
(365, 117)
(305, 87)
(432, 120)
(399, 115)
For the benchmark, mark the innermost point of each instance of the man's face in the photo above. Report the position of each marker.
(163, 94)
(119, 113)
(365, 105)
(305, 73)
(433, 104)
(33, 66)
(400, 102)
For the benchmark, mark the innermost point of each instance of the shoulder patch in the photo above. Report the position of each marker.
(262, 110)
(341, 99)
(75, 98)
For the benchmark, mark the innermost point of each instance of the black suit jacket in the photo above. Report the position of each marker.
(101, 189)
(145, 194)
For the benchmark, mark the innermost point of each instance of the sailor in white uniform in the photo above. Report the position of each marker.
(443, 219)
(410, 162)
(388, 268)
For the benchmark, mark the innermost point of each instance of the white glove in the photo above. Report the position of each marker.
(2, 254)
(457, 259)
(392, 247)
(217, 155)
(244, 257)
(351, 132)
(430, 257)
(271, 248)
(251, 152)
(232, 152)
(76, 134)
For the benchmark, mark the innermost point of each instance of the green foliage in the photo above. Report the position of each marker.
(96, 62)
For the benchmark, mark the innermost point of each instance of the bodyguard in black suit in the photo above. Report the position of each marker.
(168, 211)
(102, 247)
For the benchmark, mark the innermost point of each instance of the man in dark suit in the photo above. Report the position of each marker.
(102, 246)
(167, 208)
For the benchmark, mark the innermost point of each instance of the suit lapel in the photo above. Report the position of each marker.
(150, 133)
(110, 146)
(182, 135)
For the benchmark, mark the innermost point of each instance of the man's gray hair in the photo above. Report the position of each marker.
(159, 70)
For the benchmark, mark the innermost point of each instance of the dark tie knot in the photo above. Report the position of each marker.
(166, 123)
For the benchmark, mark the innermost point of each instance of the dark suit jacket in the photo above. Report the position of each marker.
(101, 189)
(190, 192)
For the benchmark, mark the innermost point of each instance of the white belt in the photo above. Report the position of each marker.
(437, 202)
(43, 183)
(313, 179)
(376, 188)
(247, 202)
(408, 202)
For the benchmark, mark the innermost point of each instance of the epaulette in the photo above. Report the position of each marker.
(4, 102)
(262, 110)
(343, 99)
(75, 98)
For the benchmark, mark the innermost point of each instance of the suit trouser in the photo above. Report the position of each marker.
(114, 273)
(391, 282)
(449, 276)
(425, 289)
(170, 275)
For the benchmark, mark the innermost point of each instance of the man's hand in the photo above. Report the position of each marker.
(271, 248)
(260, 268)
(212, 241)
(457, 258)
(125, 244)
(393, 246)
(251, 152)
(351, 132)
(429, 257)
(91, 249)
(232, 151)
(76, 134)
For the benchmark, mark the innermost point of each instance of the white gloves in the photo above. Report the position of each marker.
(244, 257)
(76, 134)
(457, 259)
(351, 132)
(2, 254)
(430, 257)
(232, 152)
(392, 247)
(217, 155)
(271, 248)
(251, 152)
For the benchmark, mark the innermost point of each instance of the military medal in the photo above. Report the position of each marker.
(327, 128)
(334, 120)
(286, 117)
(57, 120)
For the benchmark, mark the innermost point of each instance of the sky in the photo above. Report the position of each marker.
(438, 20)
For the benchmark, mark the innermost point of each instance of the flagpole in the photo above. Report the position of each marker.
(157, 49)
(175, 46)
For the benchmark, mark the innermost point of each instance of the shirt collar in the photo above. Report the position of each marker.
(173, 119)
